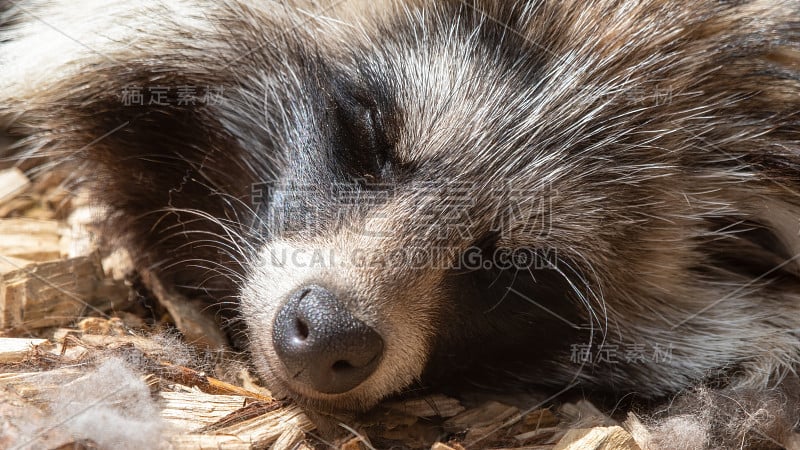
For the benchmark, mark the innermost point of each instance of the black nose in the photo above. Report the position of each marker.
(322, 344)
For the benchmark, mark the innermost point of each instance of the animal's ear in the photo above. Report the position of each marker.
(137, 109)
(127, 93)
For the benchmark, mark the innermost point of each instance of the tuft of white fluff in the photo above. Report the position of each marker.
(110, 406)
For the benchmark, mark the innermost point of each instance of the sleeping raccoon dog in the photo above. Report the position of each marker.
(395, 195)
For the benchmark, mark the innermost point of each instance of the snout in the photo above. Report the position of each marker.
(324, 347)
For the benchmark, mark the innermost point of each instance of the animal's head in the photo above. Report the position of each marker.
(407, 234)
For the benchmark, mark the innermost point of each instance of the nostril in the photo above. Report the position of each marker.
(341, 365)
(302, 329)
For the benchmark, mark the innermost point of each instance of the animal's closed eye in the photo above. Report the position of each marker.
(361, 135)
